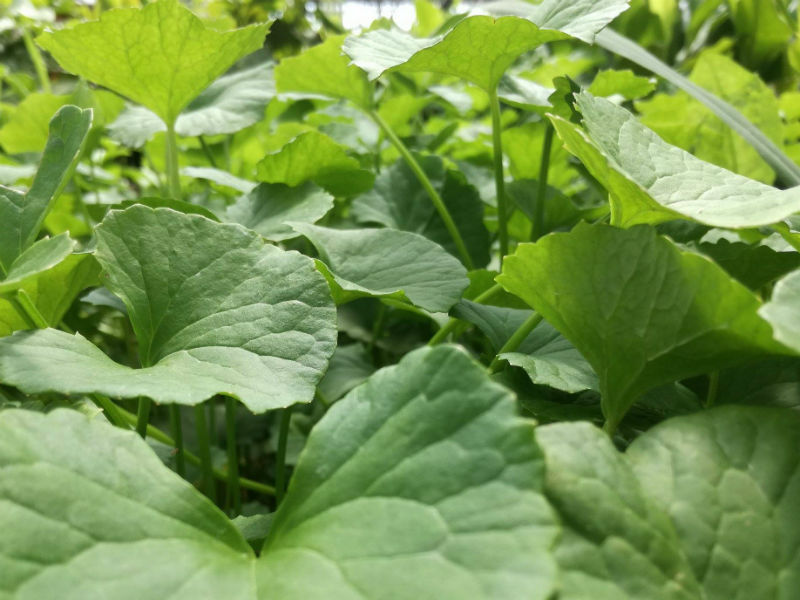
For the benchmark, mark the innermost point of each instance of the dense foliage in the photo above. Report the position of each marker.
(481, 310)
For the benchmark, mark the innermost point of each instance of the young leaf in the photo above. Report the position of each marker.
(387, 262)
(271, 206)
(783, 311)
(322, 71)
(22, 215)
(43, 255)
(422, 482)
(26, 126)
(730, 481)
(161, 56)
(652, 182)
(215, 311)
(642, 312)
(616, 544)
(313, 156)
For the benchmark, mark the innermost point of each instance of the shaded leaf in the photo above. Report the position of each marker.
(783, 311)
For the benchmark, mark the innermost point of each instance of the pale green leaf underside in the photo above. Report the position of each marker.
(651, 181)
(480, 48)
(387, 262)
(269, 208)
(160, 56)
(22, 215)
(642, 312)
(730, 481)
(782, 312)
(214, 309)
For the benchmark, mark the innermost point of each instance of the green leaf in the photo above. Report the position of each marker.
(399, 201)
(350, 366)
(161, 56)
(313, 156)
(271, 206)
(43, 255)
(422, 482)
(651, 181)
(754, 266)
(388, 263)
(111, 512)
(783, 311)
(22, 214)
(322, 71)
(220, 177)
(233, 102)
(480, 48)
(214, 309)
(610, 82)
(730, 481)
(642, 312)
(616, 543)
(26, 125)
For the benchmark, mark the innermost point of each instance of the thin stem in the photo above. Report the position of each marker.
(207, 151)
(515, 340)
(37, 60)
(112, 411)
(162, 437)
(280, 459)
(453, 323)
(177, 433)
(537, 227)
(23, 304)
(233, 458)
(173, 178)
(713, 388)
(428, 186)
(377, 326)
(143, 415)
(499, 178)
(204, 447)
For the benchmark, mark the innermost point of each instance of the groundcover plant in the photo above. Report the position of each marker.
(483, 309)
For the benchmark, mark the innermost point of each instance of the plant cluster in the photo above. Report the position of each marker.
(481, 310)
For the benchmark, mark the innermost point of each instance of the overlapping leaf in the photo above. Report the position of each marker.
(783, 311)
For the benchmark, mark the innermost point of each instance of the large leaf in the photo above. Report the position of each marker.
(271, 206)
(651, 181)
(22, 215)
(322, 71)
(642, 312)
(730, 481)
(783, 311)
(231, 103)
(313, 156)
(616, 543)
(387, 262)
(422, 483)
(111, 512)
(161, 56)
(480, 48)
(399, 201)
(214, 309)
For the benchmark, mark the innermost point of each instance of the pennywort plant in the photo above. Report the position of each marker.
(470, 312)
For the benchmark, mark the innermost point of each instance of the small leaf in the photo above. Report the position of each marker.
(271, 206)
(43, 255)
(349, 367)
(783, 311)
(610, 82)
(389, 263)
(161, 56)
(26, 127)
(642, 312)
(214, 309)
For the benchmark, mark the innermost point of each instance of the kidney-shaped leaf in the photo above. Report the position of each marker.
(651, 181)
(422, 483)
(161, 56)
(387, 262)
(730, 480)
(641, 311)
(214, 309)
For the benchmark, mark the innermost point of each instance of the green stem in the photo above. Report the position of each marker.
(158, 435)
(537, 227)
(27, 309)
(713, 388)
(233, 459)
(37, 60)
(177, 433)
(610, 426)
(112, 411)
(428, 186)
(515, 340)
(280, 459)
(143, 415)
(173, 178)
(499, 179)
(204, 448)
(207, 151)
(453, 323)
